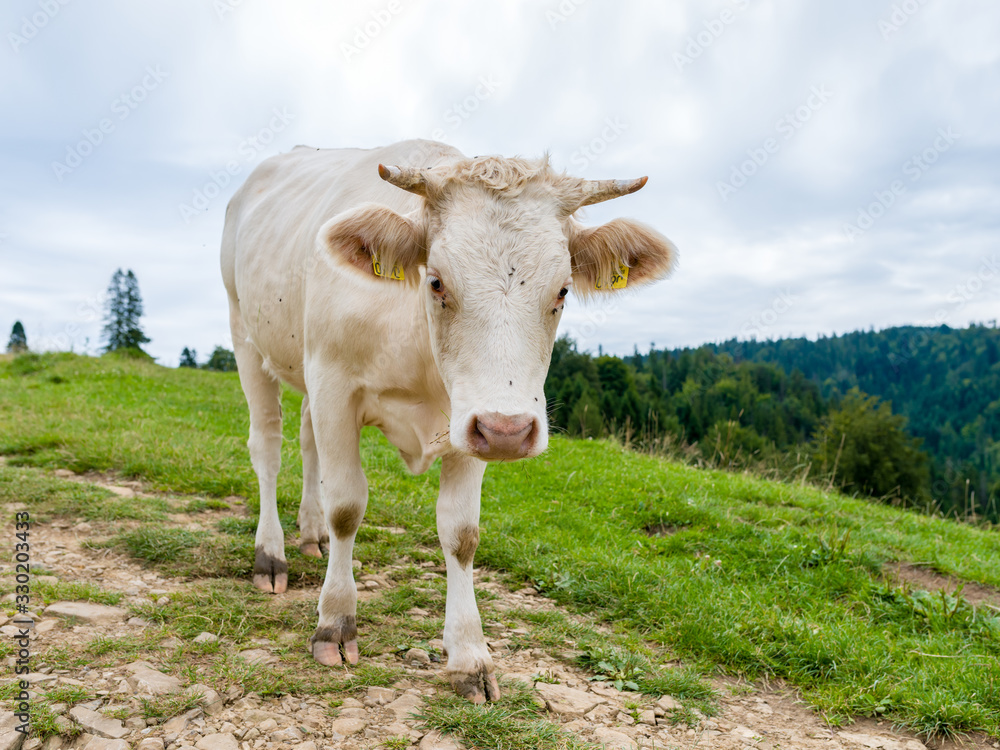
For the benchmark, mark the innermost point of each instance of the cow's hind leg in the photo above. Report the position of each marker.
(344, 498)
(263, 393)
(470, 666)
(313, 534)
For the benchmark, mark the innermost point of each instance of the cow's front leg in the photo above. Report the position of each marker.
(470, 667)
(344, 497)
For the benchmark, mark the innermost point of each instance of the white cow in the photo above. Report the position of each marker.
(424, 303)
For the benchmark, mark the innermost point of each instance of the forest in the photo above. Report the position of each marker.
(909, 415)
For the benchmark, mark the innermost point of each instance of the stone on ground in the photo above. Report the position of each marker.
(434, 741)
(878, 742)
(87, 612)
(346, 727)
(291, 735)
(404, 704)
(210, 701)
(567, 701)
(218, 741)
(381, 695)
(417, 656)
(259, 656)
(101, 743)
(147, 680)
(668, 703)
(11, 739)
(613, 740)
(98, 724)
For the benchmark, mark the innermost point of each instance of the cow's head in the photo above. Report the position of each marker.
(495, 249)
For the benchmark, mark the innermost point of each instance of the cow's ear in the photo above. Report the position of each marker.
(618, 255)
(377, 241)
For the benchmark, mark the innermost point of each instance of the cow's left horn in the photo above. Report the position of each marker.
(407, 178)
(596, 191)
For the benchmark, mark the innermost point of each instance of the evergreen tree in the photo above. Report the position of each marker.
(221, 360)
(188, 358)
(865, 448)
(122, 312)
(18, 340)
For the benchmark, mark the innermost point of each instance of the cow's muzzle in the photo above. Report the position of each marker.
(494, 436)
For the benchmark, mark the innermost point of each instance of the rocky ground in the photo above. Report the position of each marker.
(120, 692)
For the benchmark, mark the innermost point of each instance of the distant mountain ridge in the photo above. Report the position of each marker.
(945, 381)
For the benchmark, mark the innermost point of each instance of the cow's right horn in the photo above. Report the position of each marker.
(597, 191)
(406, 178)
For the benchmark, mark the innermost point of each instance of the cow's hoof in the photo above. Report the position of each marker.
(276, 584)
(310, 549)
(478, 687)
(270, 574)
(327, 642)
(328, 653)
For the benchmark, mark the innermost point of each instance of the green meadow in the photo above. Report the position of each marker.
(728, 572)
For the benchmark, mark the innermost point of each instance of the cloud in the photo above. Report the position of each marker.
(693, 91)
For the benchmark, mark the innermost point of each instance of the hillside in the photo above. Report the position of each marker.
(945, 381)
(855, 604)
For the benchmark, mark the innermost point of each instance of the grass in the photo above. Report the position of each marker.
(513, 723)
(73, 591)
(756, 578)
(162, 707)
(49, 496)
(228, 609)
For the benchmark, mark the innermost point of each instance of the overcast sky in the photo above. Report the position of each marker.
(822, 167)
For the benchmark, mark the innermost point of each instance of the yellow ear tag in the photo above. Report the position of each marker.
(618, 280)
(397, 270)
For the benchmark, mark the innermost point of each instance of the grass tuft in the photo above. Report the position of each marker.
(167, 706)
(75, 591)
(512, 723)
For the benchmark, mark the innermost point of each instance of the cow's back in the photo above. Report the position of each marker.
(270, 233)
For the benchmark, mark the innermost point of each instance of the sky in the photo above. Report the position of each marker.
(822, 167)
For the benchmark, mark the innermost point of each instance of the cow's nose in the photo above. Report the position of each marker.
(496, 436)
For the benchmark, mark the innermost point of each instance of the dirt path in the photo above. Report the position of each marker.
(750, 716)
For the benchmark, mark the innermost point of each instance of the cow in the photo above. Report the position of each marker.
(417, 290)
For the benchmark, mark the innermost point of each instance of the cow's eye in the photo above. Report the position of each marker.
(563, 292)
(435, 284)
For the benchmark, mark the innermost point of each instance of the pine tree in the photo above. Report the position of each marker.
(122, 312)
(189, 358)
(18, 340)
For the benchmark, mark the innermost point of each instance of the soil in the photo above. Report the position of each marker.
(919, 576)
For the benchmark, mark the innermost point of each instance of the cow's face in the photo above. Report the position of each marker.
(494, 266)
(497, 275)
